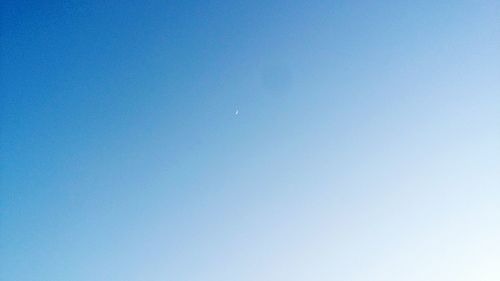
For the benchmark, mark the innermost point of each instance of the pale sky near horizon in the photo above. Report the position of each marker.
(250, 140)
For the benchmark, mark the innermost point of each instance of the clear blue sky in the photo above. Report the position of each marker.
(366, 144)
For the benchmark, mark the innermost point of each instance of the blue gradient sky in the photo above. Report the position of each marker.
(367, 144)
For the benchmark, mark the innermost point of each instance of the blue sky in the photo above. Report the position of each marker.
(366, 144)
